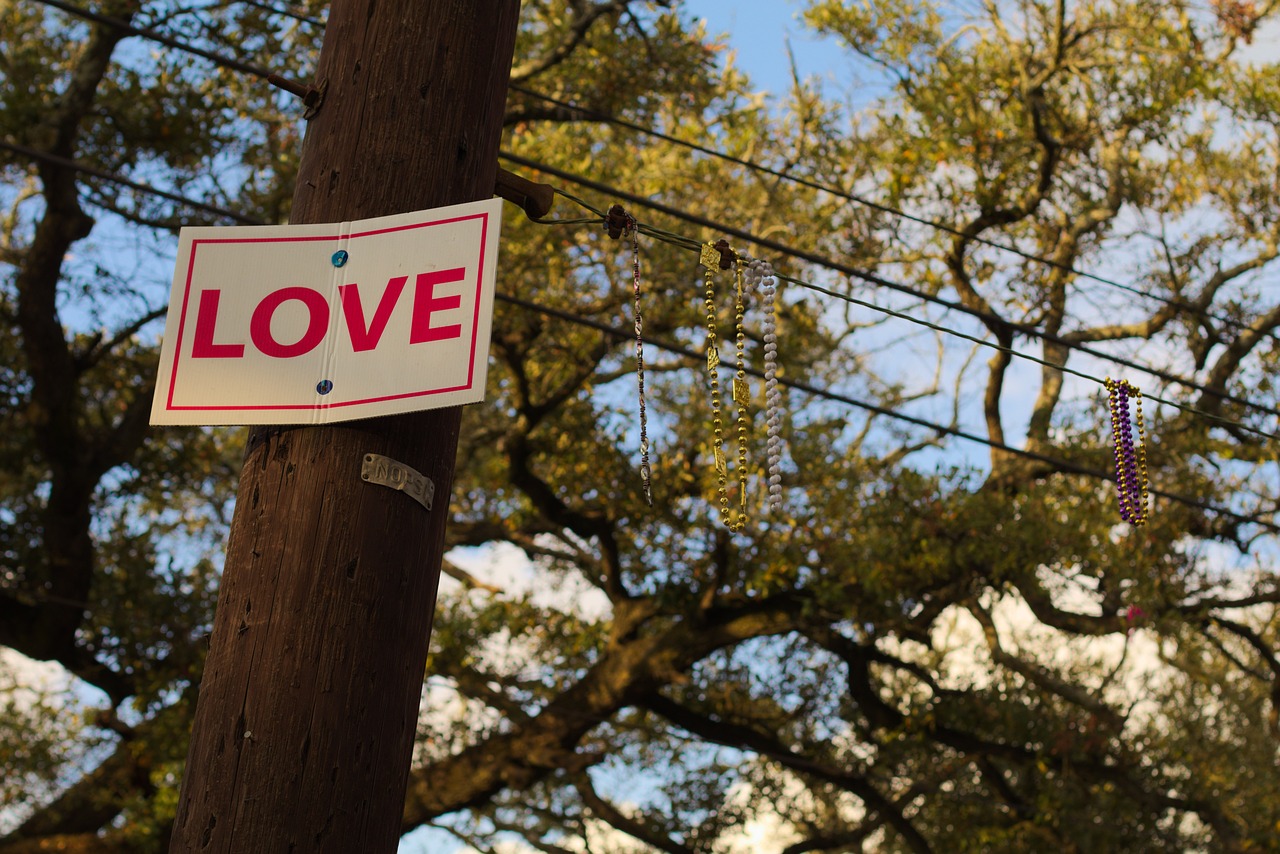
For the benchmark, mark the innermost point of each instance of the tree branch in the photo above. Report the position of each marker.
(91, 803)
(719, 731)
(863, 691)
(1226, 365)
(573, 36)
(544, 498)
(615, 818)
(1040, 676)
(843, 841)
(467, 580)
(626, 672)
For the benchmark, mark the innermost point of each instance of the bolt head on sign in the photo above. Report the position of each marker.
(311, 324)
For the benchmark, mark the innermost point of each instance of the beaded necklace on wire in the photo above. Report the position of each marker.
(721, 256)
(622, 224)
(760, 276)
(1131, 460)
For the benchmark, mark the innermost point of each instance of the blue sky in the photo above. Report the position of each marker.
(760, 32)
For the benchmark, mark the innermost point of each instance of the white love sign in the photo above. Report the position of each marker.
(309, 324)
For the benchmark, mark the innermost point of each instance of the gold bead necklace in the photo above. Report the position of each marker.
(711, 258)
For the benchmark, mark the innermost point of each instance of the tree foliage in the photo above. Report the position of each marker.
(927, 648)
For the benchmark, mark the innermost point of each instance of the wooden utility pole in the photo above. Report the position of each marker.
(306, 717)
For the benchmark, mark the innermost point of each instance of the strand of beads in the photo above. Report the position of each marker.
(1131, 459)
(619, 224)
(710, 259)
(646, 474)
(741, 389)
(761, 277)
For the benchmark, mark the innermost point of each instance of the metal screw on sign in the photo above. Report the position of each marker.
(339, 258)
(324, 386)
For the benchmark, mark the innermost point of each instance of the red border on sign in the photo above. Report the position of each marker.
(475, 326)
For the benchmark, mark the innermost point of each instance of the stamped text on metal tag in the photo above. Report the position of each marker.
(385, 471)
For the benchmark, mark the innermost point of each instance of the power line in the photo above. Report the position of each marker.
(826, 394)
(673, 238)
(160, 38)
(113, 178)
(829, 263)
(288, 13)
(955, 333)
(1182, 407)
(879, 206)
(658, 233)
(798, 385)
(840, 193)
(690, 243)
(686, 242)
(992, 320)
(597, 115)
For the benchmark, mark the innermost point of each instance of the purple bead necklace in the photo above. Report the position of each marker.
(1131, 459)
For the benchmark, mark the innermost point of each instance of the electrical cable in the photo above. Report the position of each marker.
(669, 237)
(1058, 464)
(113, 178)
(288, 13)
(992, 320)
(1029, 357)
(596, 115)
(661, 235)
(690, 243)
(160, 38)
(826, 394)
